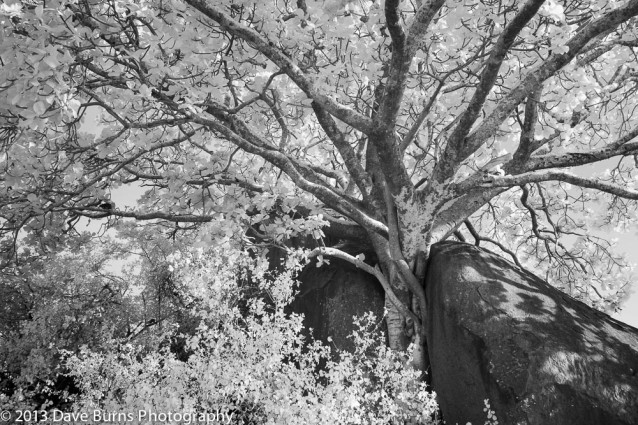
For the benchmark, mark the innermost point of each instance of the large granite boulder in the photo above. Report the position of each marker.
(331, 295)
(496, 332)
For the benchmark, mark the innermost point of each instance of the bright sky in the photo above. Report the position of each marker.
(628, 244)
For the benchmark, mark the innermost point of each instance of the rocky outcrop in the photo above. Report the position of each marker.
(540, 357)
(330, 295)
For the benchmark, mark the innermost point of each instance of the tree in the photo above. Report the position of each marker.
(60, 299)
(394, 125)
(68, 295)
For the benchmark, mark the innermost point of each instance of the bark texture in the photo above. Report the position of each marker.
(540, 357)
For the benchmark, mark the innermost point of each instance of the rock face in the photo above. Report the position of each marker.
(540, 357)
(330, 295)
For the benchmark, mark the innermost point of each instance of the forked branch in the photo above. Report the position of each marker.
(376, 272)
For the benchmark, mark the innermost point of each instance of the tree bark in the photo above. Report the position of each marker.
(397, 338)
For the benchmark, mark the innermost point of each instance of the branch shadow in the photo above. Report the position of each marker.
(539, 354)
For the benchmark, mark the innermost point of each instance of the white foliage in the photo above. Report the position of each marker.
(254, 363)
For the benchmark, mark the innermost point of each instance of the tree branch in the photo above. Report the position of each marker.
(478, 238)
(283, 162)
(554, 63)
(393, 21)
(376, 272)
(411, 134)
(458, 149)
(420, 24)
(359, 175)
(403, 50)
(572, 159)
(527, 144)
(97, 212)
(287, 65)
(456, 212)
(564, 176)
(224, 180)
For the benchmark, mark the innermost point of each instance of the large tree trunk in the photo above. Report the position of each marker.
(540, 357)
(397, 337)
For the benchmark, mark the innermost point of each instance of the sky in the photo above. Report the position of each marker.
(628, 244)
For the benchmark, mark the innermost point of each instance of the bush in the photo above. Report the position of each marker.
(252, 363)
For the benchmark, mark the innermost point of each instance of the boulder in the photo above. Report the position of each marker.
(541, 357)
(331, 295)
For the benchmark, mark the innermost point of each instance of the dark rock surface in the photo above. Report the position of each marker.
(498, 333)
(330, 295)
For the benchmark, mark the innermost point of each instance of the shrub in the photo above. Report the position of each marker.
(252, 363)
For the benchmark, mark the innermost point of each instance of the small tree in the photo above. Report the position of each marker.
(58, 298)
(75, 293)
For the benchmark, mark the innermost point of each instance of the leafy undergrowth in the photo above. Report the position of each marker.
(248, 361)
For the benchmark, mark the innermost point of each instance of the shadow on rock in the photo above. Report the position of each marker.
(541, 357)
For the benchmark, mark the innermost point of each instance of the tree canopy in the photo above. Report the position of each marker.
(394, 124)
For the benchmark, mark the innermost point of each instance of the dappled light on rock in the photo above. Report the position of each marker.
(540, 357)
